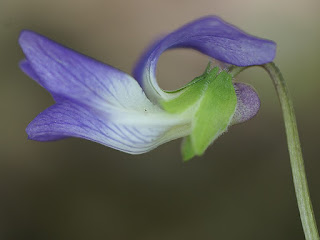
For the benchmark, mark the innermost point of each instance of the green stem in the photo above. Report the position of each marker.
(299, 176)
(298, 172)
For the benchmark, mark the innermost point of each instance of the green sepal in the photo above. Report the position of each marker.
(187, 149)
(213, 99)
(190, 95)
(214, 113)
(199, 78)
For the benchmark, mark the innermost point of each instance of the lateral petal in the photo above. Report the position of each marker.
(67, 74)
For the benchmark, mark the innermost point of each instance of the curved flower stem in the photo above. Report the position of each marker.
(298, 172)
(299, 176)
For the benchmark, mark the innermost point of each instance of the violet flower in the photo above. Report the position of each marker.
(97, 102)
(102, 104)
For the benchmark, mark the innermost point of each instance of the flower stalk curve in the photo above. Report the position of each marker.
(308, 221)
(297, 164)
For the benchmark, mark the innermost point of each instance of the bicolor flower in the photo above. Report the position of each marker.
(97, 102)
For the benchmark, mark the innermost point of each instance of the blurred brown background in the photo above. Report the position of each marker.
(75, 189)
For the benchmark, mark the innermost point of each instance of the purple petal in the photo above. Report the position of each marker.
(68, 74)
(94, 101)
(248, 103)
(70, 119)
(27, 69)
(211, 36)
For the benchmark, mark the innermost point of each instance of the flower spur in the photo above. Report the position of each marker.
(97, 102)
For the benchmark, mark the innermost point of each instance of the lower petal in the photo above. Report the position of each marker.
(69, 119)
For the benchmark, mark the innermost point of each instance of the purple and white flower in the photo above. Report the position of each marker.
(97, 102)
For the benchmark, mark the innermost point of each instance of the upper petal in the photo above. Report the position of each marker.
(211, 36)
(68, 74)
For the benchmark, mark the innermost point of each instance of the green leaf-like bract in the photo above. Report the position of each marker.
(212, 100)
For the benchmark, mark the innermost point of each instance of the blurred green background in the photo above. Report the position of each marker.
(75, 189)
